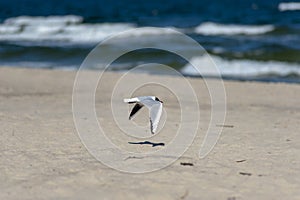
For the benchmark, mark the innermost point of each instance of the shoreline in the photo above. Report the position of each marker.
(42, 157)
(262, 79)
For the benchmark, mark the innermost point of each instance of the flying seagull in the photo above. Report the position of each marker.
(152, 103)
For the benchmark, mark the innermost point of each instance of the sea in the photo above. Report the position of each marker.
(256, 40)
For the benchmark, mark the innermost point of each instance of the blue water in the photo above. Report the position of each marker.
(256, 37)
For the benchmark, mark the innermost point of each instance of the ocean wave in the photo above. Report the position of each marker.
(50, 20)
(58, 28)
(286, 6)
(210, 28)
(66, 29)
(145, 31)
(238, 68)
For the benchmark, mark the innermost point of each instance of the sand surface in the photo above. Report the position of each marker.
(42, 157)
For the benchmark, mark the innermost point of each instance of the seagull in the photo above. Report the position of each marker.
(152, 103)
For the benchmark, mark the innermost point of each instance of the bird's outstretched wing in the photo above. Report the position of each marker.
(155, 110)
(131, 100)
(155, 114)
(135, 109)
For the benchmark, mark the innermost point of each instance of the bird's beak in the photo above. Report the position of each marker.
(161, 102)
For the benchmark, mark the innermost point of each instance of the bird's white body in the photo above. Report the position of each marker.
(152, 103)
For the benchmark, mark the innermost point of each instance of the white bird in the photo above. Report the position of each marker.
(152, 103)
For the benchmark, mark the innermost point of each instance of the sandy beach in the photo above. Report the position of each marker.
(257, 155)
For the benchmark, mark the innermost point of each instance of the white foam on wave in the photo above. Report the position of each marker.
(57, 28)
(50, 20)
(66, 29)
(287, 6)
(145, 31)
(210, 28)
(238, 68)
(7, 29)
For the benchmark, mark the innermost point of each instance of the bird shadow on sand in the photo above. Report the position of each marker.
(148, 143)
